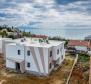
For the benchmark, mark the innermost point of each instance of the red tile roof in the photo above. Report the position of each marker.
(39, 36)
(79, 43)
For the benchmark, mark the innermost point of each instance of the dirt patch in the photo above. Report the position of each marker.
(80, 74)
(2, 81)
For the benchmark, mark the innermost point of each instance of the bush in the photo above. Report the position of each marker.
(11, 36)
(83, 57)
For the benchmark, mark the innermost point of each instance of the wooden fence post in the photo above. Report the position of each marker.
(72, 69)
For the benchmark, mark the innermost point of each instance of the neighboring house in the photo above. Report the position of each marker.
(3, 42)
(71, 50)
(88, 38)
(14, 35)
(34, 57)
(79, 45)
(40, 36)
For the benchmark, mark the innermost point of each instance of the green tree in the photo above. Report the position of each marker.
(4, 33)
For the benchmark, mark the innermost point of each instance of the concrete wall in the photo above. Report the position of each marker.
(12, 51)
(10, 64)
(0, 45)
(31, 60)
(45, 50)
(3, 42)
(61, 52)
(38, 59)
(50, 60)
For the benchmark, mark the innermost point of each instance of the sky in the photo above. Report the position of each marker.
(46, 13)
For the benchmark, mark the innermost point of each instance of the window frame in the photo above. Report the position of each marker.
(19, 52)
(57, 51)
(28, 52)
(51, 53)
(28, 64)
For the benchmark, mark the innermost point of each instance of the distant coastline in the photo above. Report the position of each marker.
(70, 33)
(64, 33)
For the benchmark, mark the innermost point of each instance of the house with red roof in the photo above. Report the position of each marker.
(40, 36)
(80, 45)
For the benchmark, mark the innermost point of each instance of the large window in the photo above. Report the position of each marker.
(19, 52)
(28, 53)
(28, 64)
(50, 53)
(57, 51)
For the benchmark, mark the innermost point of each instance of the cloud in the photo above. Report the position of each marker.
(60, 2)
(72, 15)
(46, 13)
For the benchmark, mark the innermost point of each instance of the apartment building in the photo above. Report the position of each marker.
(38, 58)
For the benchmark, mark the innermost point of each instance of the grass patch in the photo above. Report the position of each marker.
(83, 57)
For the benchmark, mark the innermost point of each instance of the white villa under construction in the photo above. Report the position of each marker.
(36, 57)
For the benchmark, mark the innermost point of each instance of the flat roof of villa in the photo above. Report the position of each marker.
(51, 43)
(28, 42)
(4, 38)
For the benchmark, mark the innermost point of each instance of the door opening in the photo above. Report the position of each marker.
(18, 66)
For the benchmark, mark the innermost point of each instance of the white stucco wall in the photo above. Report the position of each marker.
(30, 59)
(4, 43)
(39, 59)
(10, 64)
(0, 45)
(12, 51)
(45, 50)
(61, 51)
(55, 55)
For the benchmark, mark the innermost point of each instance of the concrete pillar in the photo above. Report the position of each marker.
(22, 67)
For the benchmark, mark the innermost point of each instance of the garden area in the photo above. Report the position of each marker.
(80, 74)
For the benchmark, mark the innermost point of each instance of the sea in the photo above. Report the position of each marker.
(64, 33)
